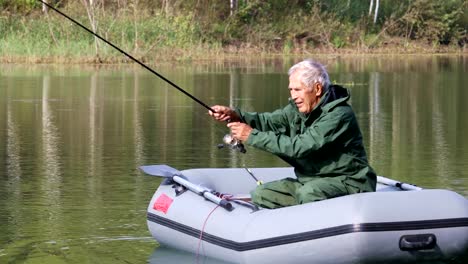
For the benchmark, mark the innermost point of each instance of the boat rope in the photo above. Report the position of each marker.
(224, 195)
(200, 239)
(247, 202)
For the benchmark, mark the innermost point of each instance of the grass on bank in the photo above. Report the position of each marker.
(53, 38)
(38, 38)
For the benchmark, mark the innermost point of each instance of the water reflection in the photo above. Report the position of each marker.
(410, 115)
(377, 120)
(13, 166)
(138, 125)
(12, 195)
(51, 163)
(93, 142)
(167, 255)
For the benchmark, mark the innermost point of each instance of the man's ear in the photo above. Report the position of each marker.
(318, 89)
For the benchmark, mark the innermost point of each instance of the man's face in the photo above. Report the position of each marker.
(304, 98)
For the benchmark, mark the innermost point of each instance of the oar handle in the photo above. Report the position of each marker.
(205, 192)
(219, 201)
(401, 185)
(176, 176)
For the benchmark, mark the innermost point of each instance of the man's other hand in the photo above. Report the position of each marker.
(240, 131)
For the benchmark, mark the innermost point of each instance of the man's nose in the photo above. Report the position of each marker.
(293, 95)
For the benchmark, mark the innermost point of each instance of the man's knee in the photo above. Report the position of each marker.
(318, 190)
(256, 194)
(309, 194)
(272, 196)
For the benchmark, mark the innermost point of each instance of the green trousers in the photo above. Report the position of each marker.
(287, 192)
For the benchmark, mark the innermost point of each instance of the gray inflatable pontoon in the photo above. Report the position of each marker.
(197, 210)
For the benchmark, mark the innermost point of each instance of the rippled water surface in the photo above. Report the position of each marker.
(72, 139)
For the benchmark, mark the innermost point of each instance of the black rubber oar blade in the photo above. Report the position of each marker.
(160, 171)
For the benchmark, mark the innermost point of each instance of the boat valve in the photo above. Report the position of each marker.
(179, 189)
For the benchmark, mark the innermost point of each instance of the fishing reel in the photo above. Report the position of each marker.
(232, 143)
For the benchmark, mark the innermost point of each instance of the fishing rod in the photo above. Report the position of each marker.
(130, 56)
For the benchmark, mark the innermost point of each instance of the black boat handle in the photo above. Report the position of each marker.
(417, 242)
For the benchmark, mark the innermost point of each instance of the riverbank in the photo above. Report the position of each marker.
(227, 53)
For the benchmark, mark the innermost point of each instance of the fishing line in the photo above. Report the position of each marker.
(130, 56)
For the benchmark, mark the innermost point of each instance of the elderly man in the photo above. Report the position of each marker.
(317, 133)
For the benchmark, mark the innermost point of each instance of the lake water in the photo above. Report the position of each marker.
(72, 139)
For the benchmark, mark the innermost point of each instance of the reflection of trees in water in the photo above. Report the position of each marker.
(377, 127)
(51, 163)
(94, 144)
(138, 135)
(448, 131)
(421, 141)
(12, 188)
(394, 64)
(13, 152)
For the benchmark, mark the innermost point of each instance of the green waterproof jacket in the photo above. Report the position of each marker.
(324, 143)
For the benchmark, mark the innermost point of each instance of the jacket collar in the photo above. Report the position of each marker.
(335, 95)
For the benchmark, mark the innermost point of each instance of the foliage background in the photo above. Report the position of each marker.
(191, 28)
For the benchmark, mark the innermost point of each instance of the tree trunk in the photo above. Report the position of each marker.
(45, 8)
(135, 18)
(168, 6)
(92, 20)
(370, 7)
(233, 6)
(376, 10)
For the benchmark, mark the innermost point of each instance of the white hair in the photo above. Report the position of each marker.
(311, 72)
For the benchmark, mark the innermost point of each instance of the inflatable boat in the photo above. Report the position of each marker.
(207, 212)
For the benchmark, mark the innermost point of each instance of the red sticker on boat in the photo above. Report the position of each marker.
(162, 203)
